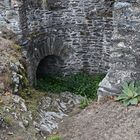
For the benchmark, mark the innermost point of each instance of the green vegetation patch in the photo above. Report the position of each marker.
(57, 137)
(84, 103)
(130, 94)
(8, 120)
(81, 83)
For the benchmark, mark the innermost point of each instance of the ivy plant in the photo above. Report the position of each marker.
(130, 94)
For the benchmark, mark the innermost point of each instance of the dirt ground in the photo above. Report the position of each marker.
(109, 121)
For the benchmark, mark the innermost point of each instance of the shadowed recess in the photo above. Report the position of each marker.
(49, 65)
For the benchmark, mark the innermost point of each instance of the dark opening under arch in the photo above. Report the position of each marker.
(49, 65)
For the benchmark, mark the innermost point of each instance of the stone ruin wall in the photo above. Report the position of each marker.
(94, 36)
(70, 29)
(125, 52)
(75, 30)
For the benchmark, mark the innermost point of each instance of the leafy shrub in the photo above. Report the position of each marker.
(80, 83)
(130, 94)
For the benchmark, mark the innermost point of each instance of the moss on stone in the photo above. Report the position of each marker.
(17, 47)
(35, 34)
(8, 120)
(24, 79)
(32, 97)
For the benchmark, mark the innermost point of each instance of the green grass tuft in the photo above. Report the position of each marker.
(54, 138)
(84, 103)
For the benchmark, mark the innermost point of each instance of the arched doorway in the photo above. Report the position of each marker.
(49, 65)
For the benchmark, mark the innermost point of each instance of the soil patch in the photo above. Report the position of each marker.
(109, 121)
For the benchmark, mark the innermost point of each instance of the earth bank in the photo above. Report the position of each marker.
(43, 113)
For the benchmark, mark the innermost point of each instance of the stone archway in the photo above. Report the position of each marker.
(83, 44)
(49, 65)
(46, 48)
